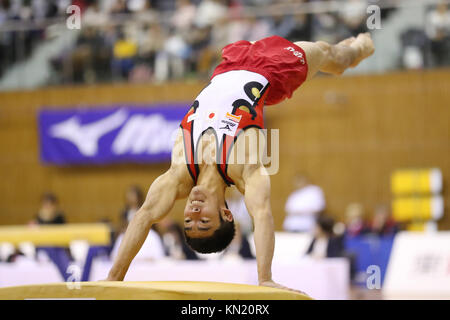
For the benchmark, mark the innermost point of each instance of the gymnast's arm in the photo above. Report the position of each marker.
(160, 199)
(257, 200)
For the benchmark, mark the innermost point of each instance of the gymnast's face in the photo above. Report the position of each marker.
(201, 214)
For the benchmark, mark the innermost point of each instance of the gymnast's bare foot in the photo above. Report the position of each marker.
(365, 45)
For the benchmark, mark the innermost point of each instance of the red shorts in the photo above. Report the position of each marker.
(280, 61)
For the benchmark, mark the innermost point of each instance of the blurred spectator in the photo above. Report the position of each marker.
(303, 205)
(239, 247)
(119, 7)
(88, 61)
(236, 204)
(49, 212)
(325, 244)
(124, 54)
(233, 29)
(438, 31)
(184, 15)
(414, 48)
(94, 16)
(137, 5)
(171, 61)
(151, 40)
(382, 222)
(7, 252)
(134, 198)
(209, 11)
(353, 15)
(145, 13)
(152, 248)
(257, 28)
(173, 241)
(325, 27)
(355, 220)
(301, 30)
(201, 55)
(281, 24)
(146, 40)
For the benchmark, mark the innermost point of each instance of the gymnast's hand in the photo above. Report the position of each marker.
(272, 284)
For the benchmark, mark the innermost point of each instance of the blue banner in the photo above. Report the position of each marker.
(132, 134)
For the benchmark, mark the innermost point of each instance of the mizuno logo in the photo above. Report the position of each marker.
(86, 136)
(137, 134)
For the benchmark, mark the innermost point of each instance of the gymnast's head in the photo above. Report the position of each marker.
(208, 224)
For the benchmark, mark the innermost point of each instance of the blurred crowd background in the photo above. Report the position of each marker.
(160, 40)
(306, 213)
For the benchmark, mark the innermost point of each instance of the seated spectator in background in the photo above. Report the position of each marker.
(382, 223)
(90, 59)
(172, 236)
(325, 27)
(209, 11)
(415, 46)
(124, 54)
(134, 198)
(325, 244)
(438, 31)
(281, 24)
(152, 248)
(145, 13)
(119, 7)
(183, 16)
(151, 39)
(240, 246)
(303, 205)
(49, 213)
(301, 29)
(354, 16)
(94, 16)
(257, 28)
(236, 204)
(355, 220)
(170, 63)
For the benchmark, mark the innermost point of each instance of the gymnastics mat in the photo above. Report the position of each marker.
(158, 290)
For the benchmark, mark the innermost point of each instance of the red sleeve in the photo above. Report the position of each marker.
(279, 60)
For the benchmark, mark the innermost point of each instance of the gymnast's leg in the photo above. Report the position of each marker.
(335, 59)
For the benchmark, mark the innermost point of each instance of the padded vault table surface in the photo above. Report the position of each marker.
(159, 290)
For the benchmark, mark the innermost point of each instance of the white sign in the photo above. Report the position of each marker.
(419, 267)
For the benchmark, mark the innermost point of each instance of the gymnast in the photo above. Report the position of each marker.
(226, 113)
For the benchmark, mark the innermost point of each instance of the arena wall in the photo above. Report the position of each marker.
(346, 134)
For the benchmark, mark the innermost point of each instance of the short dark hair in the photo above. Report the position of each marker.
(219, 240)
(138, 193)
(49, 197)
(326, 223)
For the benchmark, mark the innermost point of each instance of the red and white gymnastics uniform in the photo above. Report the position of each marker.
(249, 77)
